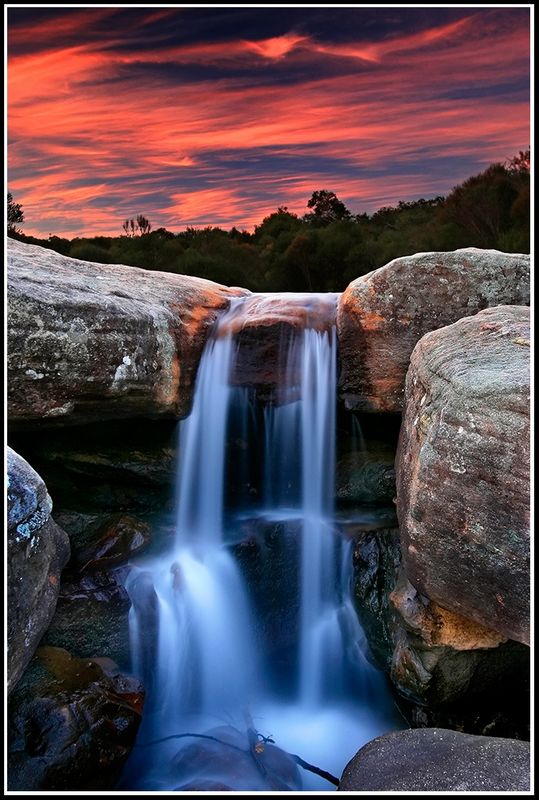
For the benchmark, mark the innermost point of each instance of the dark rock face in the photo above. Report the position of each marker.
(446, 669)
(107, 466)
(463, 469)
(91, 616)
(118, 538)
(75, 728)
(383, 315)
(269, 557)
(93, 341)
(37, 549)
(435, 759)
(376, 560)
(366, 476)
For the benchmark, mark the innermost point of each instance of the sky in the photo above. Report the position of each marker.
(218, 116)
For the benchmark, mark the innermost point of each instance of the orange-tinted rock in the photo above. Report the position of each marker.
(263, 332)
(448, 668)
(99, 341)
(436, 625)
(463, 469)
(383, 315)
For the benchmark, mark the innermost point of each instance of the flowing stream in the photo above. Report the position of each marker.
(195, 628)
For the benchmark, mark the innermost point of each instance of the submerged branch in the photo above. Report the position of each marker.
(317, 771)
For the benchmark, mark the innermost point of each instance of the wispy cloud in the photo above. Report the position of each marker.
(101, 127)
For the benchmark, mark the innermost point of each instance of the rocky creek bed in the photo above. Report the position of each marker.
(435, 505)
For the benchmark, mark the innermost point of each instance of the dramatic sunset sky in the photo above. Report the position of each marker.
(217, 116)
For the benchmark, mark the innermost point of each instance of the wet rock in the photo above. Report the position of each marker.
(91, 616)
(145, 603)
(376, 561)
(107, 466)
(383, 315)
(97, 341)
(263, 331)
(438, 760)
(366, 476)
(118, 539)
(37, 550)
(463, 468)
(74, 729)
(353, 521)
(269, 557)
(233, 762)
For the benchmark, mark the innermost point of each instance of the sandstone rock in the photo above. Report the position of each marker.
(463, 469)
(437, 760)
(263, 333)
(447, 669)
(382, 315)
(97, 341)
(74, 729)
(436, 654)
(37, 549)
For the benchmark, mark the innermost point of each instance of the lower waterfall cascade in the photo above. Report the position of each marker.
(302, 684)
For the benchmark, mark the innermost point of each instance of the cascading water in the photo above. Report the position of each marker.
(194, 636)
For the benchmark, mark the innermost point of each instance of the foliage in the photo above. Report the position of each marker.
(328, 247)
(326, 208)
(140, 226)
(15, 215)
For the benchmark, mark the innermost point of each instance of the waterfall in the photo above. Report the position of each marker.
(194, 630)
(318, 398)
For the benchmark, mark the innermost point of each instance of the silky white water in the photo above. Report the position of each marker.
(195, 636)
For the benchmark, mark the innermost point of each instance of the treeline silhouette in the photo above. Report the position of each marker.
(327, 247)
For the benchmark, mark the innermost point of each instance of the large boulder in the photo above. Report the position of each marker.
(37, 550)
(438, 760)
(98, 341)
(382, 315)
(463, 467)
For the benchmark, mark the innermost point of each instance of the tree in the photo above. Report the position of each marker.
(327, 208)
(520, 164)
(480, 209)
(140, 224)
(15, 215)
(143, 225)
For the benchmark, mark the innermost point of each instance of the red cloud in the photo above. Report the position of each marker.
(82, 125)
